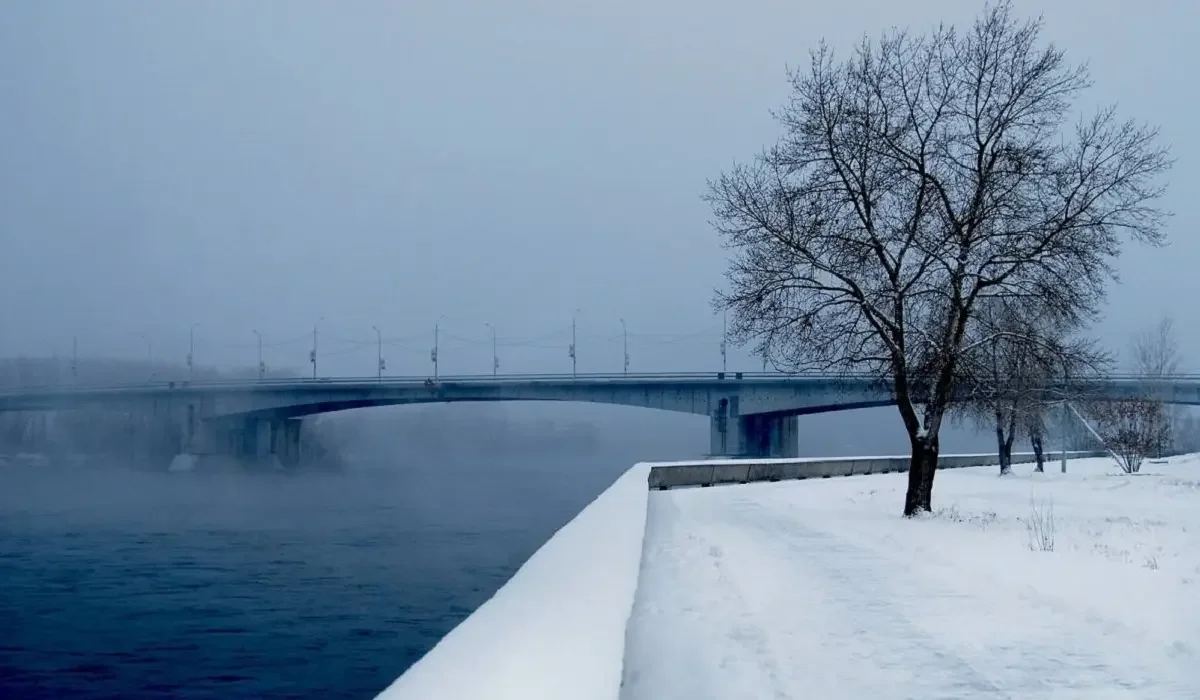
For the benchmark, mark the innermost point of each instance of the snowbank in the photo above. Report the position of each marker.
(556, 630)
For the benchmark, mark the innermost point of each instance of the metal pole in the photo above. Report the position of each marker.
(495, 356)
(378, 354)
(313, 355)
(572, 353)
(75, 359)
(191, 349)
(625, 344)
(724, 341)
(261, 367)
(1065, 416)
(434, 354)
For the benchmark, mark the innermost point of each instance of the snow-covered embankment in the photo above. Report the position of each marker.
(556, 629)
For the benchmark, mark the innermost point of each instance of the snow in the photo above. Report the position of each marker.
(556, 629)
(819, 589)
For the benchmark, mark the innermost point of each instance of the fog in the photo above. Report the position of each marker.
(179, 173)
(343, 178)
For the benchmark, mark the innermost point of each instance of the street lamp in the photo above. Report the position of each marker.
(625, 344)
(724, 341)
(495, 357)
(571, 350)
(433, 354)
(1065, 418)
(262, 368)
(312, 355)
(191, 349)
(379, 353)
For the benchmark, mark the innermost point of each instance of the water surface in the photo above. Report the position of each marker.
(118, 584)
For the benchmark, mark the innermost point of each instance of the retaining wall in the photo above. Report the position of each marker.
(742, 471)
(556, 629)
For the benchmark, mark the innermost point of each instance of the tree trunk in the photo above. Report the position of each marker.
(921, 467)
(1001, 442)
(1036, 441)
(1006, 450)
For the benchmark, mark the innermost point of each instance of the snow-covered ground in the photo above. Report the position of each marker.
(556, 629)
(1084, 585)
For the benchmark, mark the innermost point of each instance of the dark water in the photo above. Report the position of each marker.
(129, 585)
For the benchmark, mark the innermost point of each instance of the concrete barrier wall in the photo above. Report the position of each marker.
(741, 471)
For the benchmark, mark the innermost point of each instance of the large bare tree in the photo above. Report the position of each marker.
(917, 178)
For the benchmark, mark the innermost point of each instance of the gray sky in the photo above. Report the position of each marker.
(257, 165)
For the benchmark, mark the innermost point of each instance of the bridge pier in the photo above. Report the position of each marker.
(753, 435)
(765, 435)
(724, 429)
(269, 440)
(257, 441)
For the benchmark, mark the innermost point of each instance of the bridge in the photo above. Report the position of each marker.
(750, 414)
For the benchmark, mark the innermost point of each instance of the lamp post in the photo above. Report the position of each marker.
(724, 341)
(571, 350)
(433, 354)
(191, 350)
(312, 355)
(625, 345)
(75, 359)
(262, 369)
(495, 357)
(378, 354)
(1065, 416)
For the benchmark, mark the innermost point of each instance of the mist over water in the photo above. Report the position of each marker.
(124, 584)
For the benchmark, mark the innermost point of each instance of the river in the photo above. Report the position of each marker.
(122, 584)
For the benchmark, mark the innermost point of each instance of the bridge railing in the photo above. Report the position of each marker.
(421, 380)
(442, 379)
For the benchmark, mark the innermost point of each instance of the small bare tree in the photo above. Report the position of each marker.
(1005, 384)
(1035, 428)
(1156, 357)
(916, 179)
(1131, 429)
(1185, 433)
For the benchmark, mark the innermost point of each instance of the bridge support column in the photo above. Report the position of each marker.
(755, 435)
(259, 442)
(765, 435)
(270, 440)
(724, 432)
(286, 441)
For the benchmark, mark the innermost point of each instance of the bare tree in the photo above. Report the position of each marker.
(1156, 350)
(1006, 384)
(1185, 432)
(1156, 357)
(1131, 429)
(916, 179)
(1035, 428)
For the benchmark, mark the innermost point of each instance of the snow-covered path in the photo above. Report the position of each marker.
(799, 590)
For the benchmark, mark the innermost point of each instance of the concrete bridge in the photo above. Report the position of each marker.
(750, 414)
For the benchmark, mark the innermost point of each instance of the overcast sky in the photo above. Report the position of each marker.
(259, 165)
